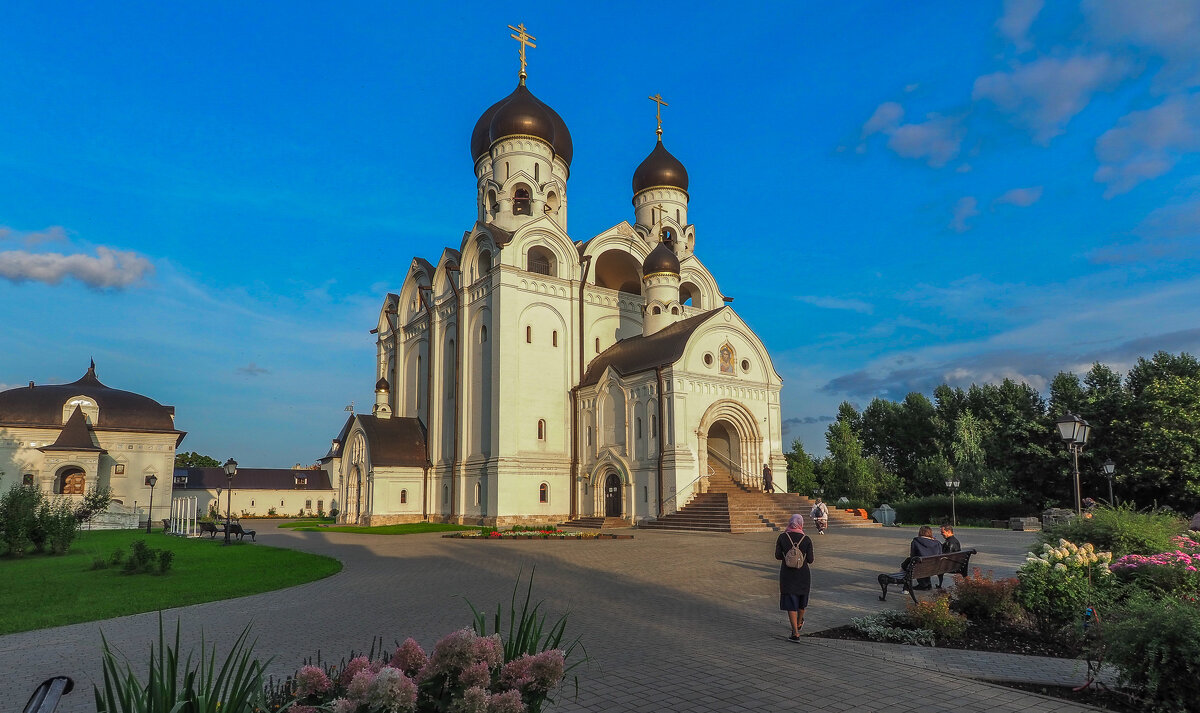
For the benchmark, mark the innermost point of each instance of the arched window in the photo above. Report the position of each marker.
(541, 261)
(656, 310)
(541, 429)
(676, 215)
(543, 493)
(674, 310)
(403, 497)
(528, 334)
(484, 265)
(71, 482)
(537, 171)
(551, 203)
(597, 345)
(445, 494)
(522, 205)
(483, 334)
(653, 425)
(589, 435)
(554, 338)
(637, 430)
(507, 173)
(619, 270)
(478, 492)
(493, 205)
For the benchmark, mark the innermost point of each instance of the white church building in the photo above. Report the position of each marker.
(527, 376)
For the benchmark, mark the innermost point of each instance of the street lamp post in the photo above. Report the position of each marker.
(151, 481)
(1074, 431)
(953, 486)
(230, 471)
(1109, 469)
(817, 493)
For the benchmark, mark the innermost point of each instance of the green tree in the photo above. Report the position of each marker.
(847, 472)
(195, 460)
(801, 471)
(1165, 458)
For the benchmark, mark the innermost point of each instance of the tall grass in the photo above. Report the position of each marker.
(1121, 530)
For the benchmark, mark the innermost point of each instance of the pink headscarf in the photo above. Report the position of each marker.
(796, 524)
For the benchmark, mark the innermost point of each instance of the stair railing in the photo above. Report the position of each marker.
(740, 476)
(671, 504)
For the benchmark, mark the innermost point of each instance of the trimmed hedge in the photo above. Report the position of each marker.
(935, 508)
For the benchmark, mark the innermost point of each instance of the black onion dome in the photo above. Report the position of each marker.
(521, 113)
(43, 406)
(661, 259)
(660, 169)
(382, 384)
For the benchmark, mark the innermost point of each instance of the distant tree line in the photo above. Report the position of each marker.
(1000, 440)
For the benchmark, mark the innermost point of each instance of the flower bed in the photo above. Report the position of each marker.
(535, 535)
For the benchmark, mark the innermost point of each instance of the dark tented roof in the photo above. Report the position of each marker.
(255, 479)
(120, 410)
(76, 435)
(629, 356)
(395, 441)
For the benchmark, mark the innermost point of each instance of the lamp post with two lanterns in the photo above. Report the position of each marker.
(952, 484)
(1074, 432)
(230, 471)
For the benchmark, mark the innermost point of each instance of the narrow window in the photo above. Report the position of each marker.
(403, 497)
(589, 435)
(653, 425)
(676, 215)
(483, 334)
(597, 345)
(320, 506)
(674, 310)
(638, 427)
(528, 335)
(506, 172)
(537, 171)
(445, 494)
(251, 503)
(543, 493)
(477, 491)
(645, 493)
(521, 202)
(308, 505)
(541, 429)
(280, 503)
(554, 338)
(27, 479)
(656, 310)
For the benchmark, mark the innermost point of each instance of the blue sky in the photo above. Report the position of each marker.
(211, 199)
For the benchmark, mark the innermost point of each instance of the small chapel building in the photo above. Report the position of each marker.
(526, 376)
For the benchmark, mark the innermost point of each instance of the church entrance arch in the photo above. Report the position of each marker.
(730, 441)
(612, 495)
(354, 495)
(70, 481)
(724, 448)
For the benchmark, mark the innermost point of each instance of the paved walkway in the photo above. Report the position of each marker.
(671, 621)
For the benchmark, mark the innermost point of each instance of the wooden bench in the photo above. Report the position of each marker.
(237, 529)
(210, 528)
(922, 567)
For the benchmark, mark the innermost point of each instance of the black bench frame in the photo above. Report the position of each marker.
(211, 529)
(923, 567)
(237, 529)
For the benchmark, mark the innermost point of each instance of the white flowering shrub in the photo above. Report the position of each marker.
(1059, 583)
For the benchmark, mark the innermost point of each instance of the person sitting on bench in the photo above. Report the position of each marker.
(923, 545)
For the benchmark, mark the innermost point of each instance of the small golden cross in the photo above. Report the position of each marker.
(525, 39)
(657, 99)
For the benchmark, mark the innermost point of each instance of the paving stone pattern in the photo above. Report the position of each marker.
(671, 621)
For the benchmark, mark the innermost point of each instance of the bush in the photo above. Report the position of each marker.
(935, 615)
(59, 523)
(1058, 585)
(144, 559)
(165, 559)
(1122, 530)
(936, 508)
(18, 517)
(1155, 645)
(981, 598)
(1175, 573)
(892, 626)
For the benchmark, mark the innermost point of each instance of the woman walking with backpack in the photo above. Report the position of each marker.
(794, 551)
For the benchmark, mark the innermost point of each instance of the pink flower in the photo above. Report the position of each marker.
(517, 673)
(410, 657)
(452, 654)
(360, 685)
(392, 691)
(477, 674)
(490, 650)
(358, 663)
(311, 680)
(474, 700)
(547, 670)
(506, 702)
(343, 705)
(1190, 568)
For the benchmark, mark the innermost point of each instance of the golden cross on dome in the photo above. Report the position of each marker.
(526, 41)
(657, 99)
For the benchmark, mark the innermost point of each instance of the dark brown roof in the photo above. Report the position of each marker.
(629, 356)
(500, 236)
(521, 113)
(76, 435)
(335, 449)
(119, 410)
(660, 168)
(255, 479)
(661, 259)
(395, 441)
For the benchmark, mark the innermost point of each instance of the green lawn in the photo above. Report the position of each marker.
(42, 591)
(307, 522)
(410, 528)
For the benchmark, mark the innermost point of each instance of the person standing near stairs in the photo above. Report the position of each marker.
(794, 582)
(820, 515)
(768, 481)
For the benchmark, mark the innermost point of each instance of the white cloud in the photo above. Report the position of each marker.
(966, 207)
(1146, 144)
(1168, 28)
(886, 118)
(1022, 197)
(852, 305)
(252, 369)
(31, 238)
(1045, 94)
(109, 269)
(1018, 16)
(1168, 233)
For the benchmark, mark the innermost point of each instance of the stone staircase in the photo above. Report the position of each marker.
(729, 506)
(595, 523)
